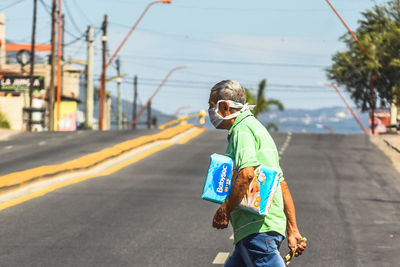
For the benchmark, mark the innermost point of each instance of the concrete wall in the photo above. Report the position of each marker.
(70, 78)
(12, 108)
(2, 40)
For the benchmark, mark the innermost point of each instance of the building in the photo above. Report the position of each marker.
(15, 83)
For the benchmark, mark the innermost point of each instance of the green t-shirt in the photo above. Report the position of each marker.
(251, 145)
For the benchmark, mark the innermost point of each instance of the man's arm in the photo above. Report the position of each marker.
(239, 189)
(294, 235)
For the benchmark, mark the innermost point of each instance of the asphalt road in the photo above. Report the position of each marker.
(29, 150)
(150, 213)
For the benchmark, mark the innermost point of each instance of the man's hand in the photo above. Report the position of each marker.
(295, 243)
(239, 189)
(221, 218)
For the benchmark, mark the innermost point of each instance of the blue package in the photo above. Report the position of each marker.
(219, 179)
(261, 192)
(260, 195)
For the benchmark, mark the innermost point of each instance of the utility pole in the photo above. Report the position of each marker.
(393, 111)
(149, 116)
(103, 77)
(89, 78)
(368, 56)
(62, 46)
(134, 100)
(53, 63)
(118, 61)
(372, 104)
(59, 85)
(32, 63)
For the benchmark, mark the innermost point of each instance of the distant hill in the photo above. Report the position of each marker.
(293, 120)
(302, 120)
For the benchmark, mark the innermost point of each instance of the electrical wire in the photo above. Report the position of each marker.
(11, 5)
(228, 62)
(76, 40)
(189, 38)
(275, 87)
(46, 7)
(48, 10)
(81, 11)
(77, 28)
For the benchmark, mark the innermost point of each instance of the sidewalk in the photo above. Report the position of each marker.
(5, 134)
(390, 145)
(393, 141)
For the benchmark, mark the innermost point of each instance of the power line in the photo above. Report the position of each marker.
(81, 11)
(46, 7)
(75, 40)
(229, 62)
(196, 39)
(48, 10)
(268, 84)
(256, 9)
(72, 18)
(205, 84)
(275, 88)
(11, 5)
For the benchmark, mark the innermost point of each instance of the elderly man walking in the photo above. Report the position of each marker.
(257, 238)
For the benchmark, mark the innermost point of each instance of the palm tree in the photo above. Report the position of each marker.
(263, 104)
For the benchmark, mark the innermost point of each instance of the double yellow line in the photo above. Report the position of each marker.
(107, 172)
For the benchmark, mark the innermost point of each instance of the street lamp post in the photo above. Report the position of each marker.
(177, 111)
(102, 76)
(155, 92)
(348, 106)
(367, 54)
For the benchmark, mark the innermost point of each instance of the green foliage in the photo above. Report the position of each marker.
(272, 127)
(4, 123)
(262, 104)
(86, 127)
(378, 33)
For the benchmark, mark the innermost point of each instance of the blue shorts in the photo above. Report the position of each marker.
(257, 250)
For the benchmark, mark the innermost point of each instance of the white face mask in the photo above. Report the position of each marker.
(216, 119)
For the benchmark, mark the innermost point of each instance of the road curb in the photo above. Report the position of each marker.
(6, 134)
(16, 179)
(392, 144)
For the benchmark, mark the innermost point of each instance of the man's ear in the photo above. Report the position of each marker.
(224, 107)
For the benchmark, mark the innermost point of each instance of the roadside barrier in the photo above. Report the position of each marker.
(15, 179)
(202, 114)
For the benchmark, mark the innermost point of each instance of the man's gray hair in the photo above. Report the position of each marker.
(230, 90)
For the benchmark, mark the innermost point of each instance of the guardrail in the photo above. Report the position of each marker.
(12, 180)
(202, 115)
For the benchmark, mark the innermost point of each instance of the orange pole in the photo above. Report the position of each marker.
(58, 65)
(177, 111)
(17, 47)
(154, 94)
(349, 108)
(102, 75)
(328, 128)
(372, 75)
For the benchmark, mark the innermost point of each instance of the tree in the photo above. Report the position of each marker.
(4, 123)
(378, 33)
(263, 104)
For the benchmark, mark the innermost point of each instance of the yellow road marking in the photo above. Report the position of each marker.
(109, 171)
(89, 160)
(191, 136)
(221, 258)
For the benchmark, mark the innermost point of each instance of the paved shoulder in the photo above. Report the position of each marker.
(346, 196)
(29, 150)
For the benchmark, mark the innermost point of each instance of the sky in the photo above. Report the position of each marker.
(289, 42)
